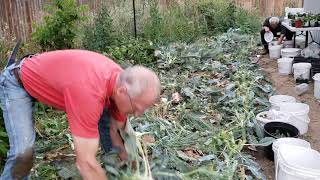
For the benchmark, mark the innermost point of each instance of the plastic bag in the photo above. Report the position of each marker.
(312, 51)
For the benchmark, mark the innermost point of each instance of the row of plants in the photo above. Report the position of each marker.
(304, 19)
(206, 117)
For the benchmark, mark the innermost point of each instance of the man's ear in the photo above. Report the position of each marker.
(121, 89)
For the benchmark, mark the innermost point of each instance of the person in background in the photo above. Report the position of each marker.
(94, 91)
(273, 24)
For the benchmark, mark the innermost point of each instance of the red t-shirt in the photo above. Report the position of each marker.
(79, 82)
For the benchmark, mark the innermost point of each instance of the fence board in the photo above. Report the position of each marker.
(18, 15)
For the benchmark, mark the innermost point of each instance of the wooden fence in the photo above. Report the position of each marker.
(16, 16)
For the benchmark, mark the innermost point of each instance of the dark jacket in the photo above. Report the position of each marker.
(280, 28)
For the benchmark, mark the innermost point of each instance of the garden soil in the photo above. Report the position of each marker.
(286, 85)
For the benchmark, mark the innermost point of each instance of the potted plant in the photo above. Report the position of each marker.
(306, 20)
(298, 21)
(313, 20)
(317, 23)
(291, 16)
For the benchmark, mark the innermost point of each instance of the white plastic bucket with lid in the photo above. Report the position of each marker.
(275, 100)
(269, 116)
(288, 44)
(290, 52)
(297, 163)
(298, 115)
(288, 141)
(275, 51)
(316, 90)
(301, 70)
(285, 66)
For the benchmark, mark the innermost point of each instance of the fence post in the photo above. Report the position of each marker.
(134, 18)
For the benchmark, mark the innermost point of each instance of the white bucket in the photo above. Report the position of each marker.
(285, 66)
(275, 51)
(274, 43)
(288, 141)
(298, 115)
(300, 42)
(275, 100)
(270, 116)
(316, 90)
(288, 44)
(290, 52)
(297, 163)
(301, 71)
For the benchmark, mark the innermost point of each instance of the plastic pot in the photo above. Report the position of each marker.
(272, 128)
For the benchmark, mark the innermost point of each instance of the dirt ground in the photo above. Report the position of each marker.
(286, 85)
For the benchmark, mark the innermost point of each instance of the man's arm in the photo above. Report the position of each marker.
(283, 33)
(116, 138)
(86, 150)
(280, 39)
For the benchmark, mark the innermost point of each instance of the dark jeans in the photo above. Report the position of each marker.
(104, 131)
(288, 36)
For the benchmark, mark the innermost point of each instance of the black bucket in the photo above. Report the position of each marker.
(271, 129)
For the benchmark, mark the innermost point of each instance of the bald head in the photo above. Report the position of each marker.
(140, 81)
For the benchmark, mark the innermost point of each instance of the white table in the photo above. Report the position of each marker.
(306, 29)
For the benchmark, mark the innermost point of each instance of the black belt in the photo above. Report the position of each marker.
(17, 75)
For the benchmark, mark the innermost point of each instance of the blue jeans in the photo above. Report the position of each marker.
(17, 104)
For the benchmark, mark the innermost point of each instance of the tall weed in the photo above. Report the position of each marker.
(222, 15)
(180, 22)
(98, 34)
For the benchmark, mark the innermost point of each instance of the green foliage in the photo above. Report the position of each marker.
(48, 121)
(60, 25)
(137, 51)
(222, 15)
(100, 36)
(178, 23)
(248, 22)
(45, 171)
(216, 13)
(4, 142)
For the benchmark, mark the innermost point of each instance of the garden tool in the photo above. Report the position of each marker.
(12, 57)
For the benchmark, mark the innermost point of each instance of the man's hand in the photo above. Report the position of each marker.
(86, 149)
(266, 29)
(280, 38)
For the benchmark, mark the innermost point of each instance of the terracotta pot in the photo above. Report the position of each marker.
(298, 23)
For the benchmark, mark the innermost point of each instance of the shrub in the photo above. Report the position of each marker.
(100, 36)
(248, 22)
(222, 15)
(60, 25)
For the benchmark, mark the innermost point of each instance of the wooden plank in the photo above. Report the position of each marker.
(28, 16)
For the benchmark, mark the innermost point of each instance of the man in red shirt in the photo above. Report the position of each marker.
(83, 84)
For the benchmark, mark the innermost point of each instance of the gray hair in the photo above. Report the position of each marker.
(274, 20)
(139, 80)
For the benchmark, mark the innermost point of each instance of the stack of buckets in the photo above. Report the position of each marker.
(297, 113)
(294, 159)
(301, 70)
